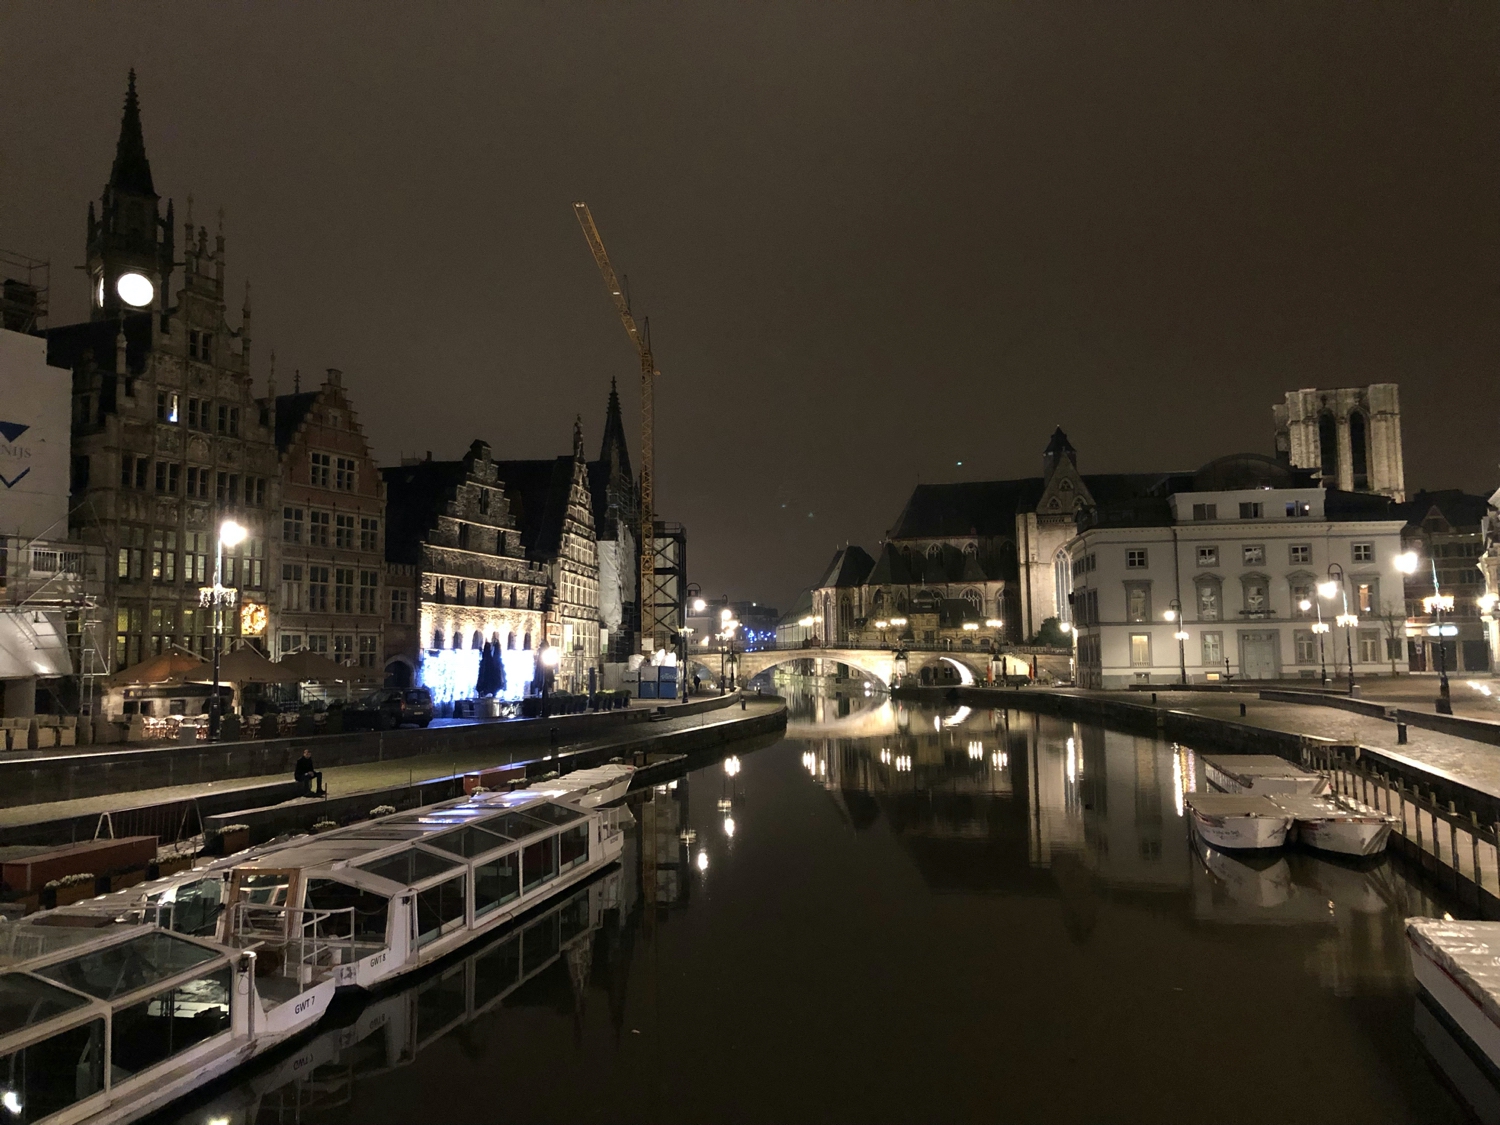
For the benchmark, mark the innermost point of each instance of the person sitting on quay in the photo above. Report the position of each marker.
(309, 777)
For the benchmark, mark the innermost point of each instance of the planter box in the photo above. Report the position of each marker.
(98, 856)
(174, 865)
(76, 893)
(231, 842)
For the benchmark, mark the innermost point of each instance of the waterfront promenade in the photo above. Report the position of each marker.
(343, 780)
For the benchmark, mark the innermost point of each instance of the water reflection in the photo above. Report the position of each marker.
(899, 893)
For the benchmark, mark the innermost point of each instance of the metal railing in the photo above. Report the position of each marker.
(1451, 844)
(297, 943)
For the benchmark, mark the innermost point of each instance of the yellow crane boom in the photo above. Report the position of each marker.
(650, 641)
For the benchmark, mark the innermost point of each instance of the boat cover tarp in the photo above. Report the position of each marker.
(1233, 804)
(1245, 766)
(1469, 952)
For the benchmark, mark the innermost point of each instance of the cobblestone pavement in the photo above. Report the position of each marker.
(371, 775)
(1476, 764)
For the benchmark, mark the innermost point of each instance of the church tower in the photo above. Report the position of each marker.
(614, 456)
(129, 253)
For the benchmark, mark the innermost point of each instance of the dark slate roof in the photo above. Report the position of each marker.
(1059, 444)
(614, 433)
(538, 493)
(415, 497)
(131, 171)
(988, 509)
(800, 609)
(290, 411)
(850, 566)
(67, 343)
(1462, 510)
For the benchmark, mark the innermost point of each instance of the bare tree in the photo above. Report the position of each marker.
(1393, 622)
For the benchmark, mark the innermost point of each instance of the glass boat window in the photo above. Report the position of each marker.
(513, 825)
(370, 910)
(268, 888)
(168, 1023)
(553, 814)
(25, 1001)
(440, 909)
(573, 844)
(39, 1080)
(196, 907)
(468, 842)
(131, 965)
(496, 882)
(408, 867)
(539, 863)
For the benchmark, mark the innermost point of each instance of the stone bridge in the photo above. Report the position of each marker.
(959, 667)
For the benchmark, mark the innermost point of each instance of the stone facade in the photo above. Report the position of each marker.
(331, 594)
(551, 505)
(451, 521)
(1351, 436)
(169, 439)
(1447, 532)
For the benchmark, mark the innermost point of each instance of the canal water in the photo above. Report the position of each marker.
(904, 914)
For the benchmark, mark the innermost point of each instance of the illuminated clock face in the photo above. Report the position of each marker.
(135, 289)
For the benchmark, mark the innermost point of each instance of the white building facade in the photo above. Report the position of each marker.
(1209, 586)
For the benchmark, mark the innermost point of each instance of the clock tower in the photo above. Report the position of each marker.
(130, 244)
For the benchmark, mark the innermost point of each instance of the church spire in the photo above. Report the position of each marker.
(614, 451)
(131, 171)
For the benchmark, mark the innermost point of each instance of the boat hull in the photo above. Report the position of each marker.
(1465, 1012)
(1241, 833)
(1360, 836)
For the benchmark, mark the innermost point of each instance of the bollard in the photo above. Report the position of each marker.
(1242, 710)
(1400, 732)
(742, 703)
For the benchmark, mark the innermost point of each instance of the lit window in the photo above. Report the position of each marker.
(1140, 650)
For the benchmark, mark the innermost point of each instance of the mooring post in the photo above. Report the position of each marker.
(1401, 732)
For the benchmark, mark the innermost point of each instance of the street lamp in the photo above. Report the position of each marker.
(1436, 605)
(1174, 614)
(550, 657)
(1346, 621)
(880, 627)
(218, 596)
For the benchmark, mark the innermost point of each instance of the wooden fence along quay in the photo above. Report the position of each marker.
(1451, 830)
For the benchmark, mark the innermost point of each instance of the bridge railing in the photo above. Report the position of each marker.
(813, 648)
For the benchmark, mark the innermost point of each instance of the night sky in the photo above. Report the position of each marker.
(874, 241)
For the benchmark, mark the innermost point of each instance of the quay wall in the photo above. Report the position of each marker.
(682, 747)
(62, 777)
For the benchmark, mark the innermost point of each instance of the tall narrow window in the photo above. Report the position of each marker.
(1328, 449)
(1358, 449)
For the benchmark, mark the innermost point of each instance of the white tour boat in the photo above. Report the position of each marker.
(1458, 966)
(1236, 822)
(105, 1018)
(390, 895)
(1335, 823)
(601, 785)
(1261, 775)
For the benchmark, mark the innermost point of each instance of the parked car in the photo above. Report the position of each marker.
(389, 708)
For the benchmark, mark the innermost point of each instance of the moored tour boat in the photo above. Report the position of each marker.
(1335, 823)
(1261, 775)
(601, 785)
(1238, 822)
(1458, 966)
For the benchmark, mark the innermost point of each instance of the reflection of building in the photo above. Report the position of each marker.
(332, 510)
(50, 616)
(550, 503)
(1351, 437)
(450, 521)
(1446, 528)
(168, 436)
(1239, 547)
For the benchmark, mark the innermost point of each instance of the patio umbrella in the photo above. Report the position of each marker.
(244, 666)
(174, 664)
(303, 666)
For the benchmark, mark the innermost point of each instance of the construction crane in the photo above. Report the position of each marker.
(642, 341)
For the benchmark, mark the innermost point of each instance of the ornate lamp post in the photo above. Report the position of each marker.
(1319, 627)
(218, 596)
(1174, 614)
(1346, 621)
(1437, 604)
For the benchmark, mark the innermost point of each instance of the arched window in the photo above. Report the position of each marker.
(458, 639)
(527, 645)
(877, 603)
(846, 615)
(1358, 436)
(934, 550)
(512, 597)
(510, 640)
(971, 549)
(1328, 448)
(495, 639)
(437, 638)
(477, 640)
(1062, 584)
(974, 599)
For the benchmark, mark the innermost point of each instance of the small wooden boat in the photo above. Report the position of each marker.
(1458, 966)
(1237, 821)
(1335, 823)
(1261, 775)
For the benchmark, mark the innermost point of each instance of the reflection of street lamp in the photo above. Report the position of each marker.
(218, 595)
